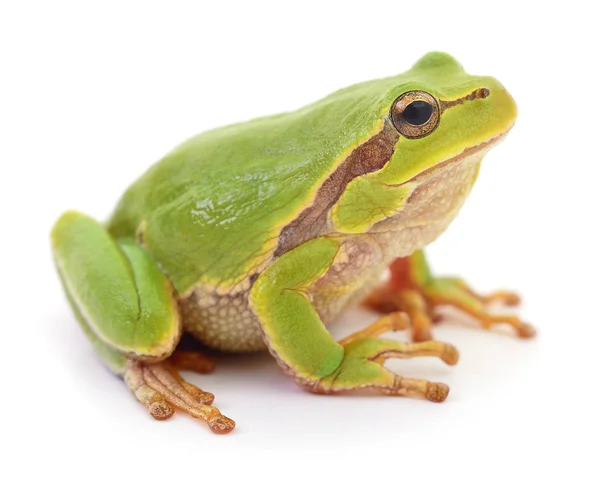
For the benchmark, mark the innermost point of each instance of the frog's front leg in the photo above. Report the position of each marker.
(305, 349)
(413, 289)
(126, 307)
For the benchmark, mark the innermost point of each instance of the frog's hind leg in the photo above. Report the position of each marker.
(413, 289)
(127, 309)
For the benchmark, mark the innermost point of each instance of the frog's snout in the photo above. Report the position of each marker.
(503, 104)
(482, 93)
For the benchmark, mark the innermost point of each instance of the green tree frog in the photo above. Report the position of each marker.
(256, 235)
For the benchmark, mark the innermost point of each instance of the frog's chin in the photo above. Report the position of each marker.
(438, 194)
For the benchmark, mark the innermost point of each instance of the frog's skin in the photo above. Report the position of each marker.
(255, 235)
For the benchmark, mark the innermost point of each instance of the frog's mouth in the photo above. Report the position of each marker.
(476, 151)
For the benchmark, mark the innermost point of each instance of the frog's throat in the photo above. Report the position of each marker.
(438, 194)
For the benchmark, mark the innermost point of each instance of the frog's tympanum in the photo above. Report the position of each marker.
(257, 235)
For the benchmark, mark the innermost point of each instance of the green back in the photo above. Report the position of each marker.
(213, 208)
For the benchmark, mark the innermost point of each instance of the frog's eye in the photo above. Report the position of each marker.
(415, 114)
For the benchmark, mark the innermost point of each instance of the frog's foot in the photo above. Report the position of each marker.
(421, 300)
(364, 356)
(161, 389)
(456, 293)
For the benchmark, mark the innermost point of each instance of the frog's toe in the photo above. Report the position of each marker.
(160, 409)
(507, 298)
(161, 389)
(196, 362)
(488, 320)
(437, 391)
(422, 334)
(450, 354)
(386, 299)
(154, 401)
(432, 391)
(455, 293)
(526, 330)
(221, 424)
(198, 394)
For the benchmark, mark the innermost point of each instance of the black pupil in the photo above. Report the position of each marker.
(417, 112)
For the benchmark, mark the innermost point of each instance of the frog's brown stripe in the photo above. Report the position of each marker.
(476, 94)
(371, 156)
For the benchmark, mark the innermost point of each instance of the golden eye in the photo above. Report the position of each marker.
(415, 114)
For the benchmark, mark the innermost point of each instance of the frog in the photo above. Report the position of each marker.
(257, 235)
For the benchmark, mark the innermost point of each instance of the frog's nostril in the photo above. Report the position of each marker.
(482, 93)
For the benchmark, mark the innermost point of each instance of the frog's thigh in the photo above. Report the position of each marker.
(126, 307)
(120, 296)
(293, 330)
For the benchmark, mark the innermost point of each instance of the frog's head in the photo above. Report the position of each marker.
(438, 122)
(441, 112)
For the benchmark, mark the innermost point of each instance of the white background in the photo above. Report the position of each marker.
(93, 92)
